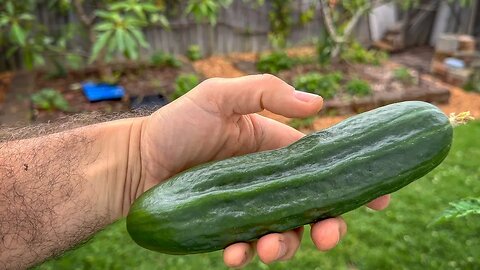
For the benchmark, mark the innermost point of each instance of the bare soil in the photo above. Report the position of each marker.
(147, 80)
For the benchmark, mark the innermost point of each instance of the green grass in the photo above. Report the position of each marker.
(396, 238)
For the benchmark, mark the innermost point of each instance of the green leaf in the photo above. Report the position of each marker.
(159, 18)
(4, 20)
(74, 60)
(164, 21)
(131, 46)
(118, 6)
(38, 59)
(132, 22)
(11, 51)
(10, 8)
(18, 35)
(104, 26)
(140, 37)
(99, 45)
(464, 207)
(138, 10)
(150, 7)
(26, 17)
(59, 102)
(119, 39)
(106, 15)
(28, 59)
(111, 47)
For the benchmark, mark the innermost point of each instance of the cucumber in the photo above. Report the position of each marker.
(323, 175)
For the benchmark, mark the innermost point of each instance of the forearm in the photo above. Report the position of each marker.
(57, 190)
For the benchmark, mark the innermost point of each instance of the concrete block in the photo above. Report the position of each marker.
(447, 44)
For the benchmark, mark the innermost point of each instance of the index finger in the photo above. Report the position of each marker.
(254, 93)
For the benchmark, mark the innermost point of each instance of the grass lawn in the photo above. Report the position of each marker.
(396, 238)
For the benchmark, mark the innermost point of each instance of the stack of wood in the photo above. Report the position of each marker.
(458, 49)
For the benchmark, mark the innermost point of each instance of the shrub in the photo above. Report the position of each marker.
(403, 75)
(358, 87)
(274, 62)
(194, 53)
(298, 123)
(183, 84)
(473, 85)
(356, 53)
(325, 85)
(50, 99)
(163, 59)
(324, 47)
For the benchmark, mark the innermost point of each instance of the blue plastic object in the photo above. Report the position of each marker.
(102, 91)
(454, 62)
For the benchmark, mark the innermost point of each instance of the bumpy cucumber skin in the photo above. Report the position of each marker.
(323, 175)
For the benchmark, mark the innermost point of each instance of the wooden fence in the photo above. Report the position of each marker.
(241, 27)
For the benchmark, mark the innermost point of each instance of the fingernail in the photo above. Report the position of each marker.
(282, 249)
(305, 96)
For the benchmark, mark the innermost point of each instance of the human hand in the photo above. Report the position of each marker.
(217, 120)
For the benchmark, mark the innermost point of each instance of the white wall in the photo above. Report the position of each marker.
(381, 18)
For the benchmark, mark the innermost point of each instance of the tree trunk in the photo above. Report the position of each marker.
(105, 72)
(346, 37)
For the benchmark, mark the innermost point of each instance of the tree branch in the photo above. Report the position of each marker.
(328, 21)
(356, 17)
(84, 18)
(329, 25)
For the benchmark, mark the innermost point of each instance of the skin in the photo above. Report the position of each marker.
(115, 162)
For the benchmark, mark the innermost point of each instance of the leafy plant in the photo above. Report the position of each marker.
(17, 20)
(358, 87)
(280, 23)
(403, 75)
(473, 84)
(115, 28)
(50, 99)
(298, 123)
(194, 53)
(324, 85)
(19, 32)
(118, 34)
(206, 9)
(274, 62)
(325, 46)
(356, 53)
(461, 208)
(163, 59)
(183, 84)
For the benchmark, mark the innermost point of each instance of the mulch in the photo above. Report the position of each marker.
(217, 66)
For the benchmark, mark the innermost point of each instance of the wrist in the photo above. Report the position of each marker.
(117, 173)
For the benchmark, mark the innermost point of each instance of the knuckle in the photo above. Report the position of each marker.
(270, 78)
(210, 82)
(273, 82)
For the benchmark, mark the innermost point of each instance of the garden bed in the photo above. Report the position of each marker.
(385, 87)
(140, 82)
(373, 85)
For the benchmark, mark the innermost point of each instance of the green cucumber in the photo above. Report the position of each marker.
(323, 175)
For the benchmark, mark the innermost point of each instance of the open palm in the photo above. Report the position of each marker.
(217, 120)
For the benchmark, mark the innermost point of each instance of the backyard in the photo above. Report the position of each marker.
(103, 58)
(397, 238)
